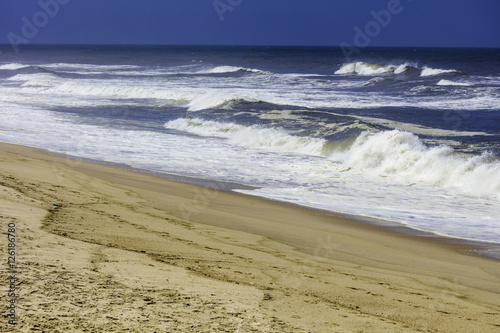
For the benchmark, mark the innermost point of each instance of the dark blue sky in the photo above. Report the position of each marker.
(435, 23)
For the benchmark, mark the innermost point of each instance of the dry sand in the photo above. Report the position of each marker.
(131, 252)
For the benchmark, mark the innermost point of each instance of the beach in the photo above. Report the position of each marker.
(104, 248)
(414, 132)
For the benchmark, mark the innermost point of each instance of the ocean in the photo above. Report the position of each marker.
(401, 135)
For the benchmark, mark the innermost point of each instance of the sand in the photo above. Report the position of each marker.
(128, 251)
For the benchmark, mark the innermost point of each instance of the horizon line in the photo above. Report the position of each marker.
(245, 45)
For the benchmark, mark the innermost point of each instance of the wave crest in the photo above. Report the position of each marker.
(363, 68)
(427, 71)
(12, 66)
(208, 101)
(452, 83)
(229, 69)
(255, 137)
(35, 80)
(403, 157)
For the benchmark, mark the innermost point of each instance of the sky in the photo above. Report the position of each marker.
(357, 23)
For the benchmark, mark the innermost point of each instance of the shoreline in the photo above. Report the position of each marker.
(135, 251)
(476, 247)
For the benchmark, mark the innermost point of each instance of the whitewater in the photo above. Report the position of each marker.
(404, 136)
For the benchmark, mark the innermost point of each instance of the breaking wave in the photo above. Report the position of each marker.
(255, 136)
(400, 156)
(35, 80)
(452, 83)
(208, 101)
(229, 69)
(108, 90)
(363, 68)
(427, 71)
(12, 66)
(403, 157)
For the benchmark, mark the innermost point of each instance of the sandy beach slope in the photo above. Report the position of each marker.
(128, 251)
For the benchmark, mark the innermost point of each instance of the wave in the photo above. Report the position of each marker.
(68, 67)
(213, 93)
(234, 100)
(229, 69)
(17, 69)
(189, 70)
(93, 67)
(88, 89)
(452, 83)
(209, 101)
(403, 157)
(12, 66)
(255, 136)
(125, 92)
(376, 81)
(363, 68)
(427, 71)
(129, 70)
(428, 90)
(35, 80)
(194, 100)
(398, 155)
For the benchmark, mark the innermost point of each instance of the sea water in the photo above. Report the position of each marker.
(406, 135)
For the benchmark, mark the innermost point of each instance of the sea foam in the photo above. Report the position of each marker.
(12, 66)
(362, 68)
(255, 136)
(398, 155)
(452, 83)
(35, 80)
(403, 157)
(427, 71)
(229, 69)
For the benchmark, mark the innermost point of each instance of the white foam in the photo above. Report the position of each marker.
(208, 101)
(427, 71)
(35, 80)
(12, 66)
(362, 68)
(229, 69)
(94, 88)
(418, 207)
(403, 157)
(122, 91)
(444, 82)
(255, 137)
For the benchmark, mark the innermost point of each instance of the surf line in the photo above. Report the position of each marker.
(373, 28)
